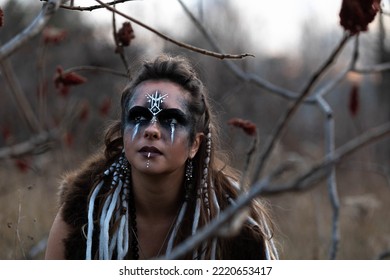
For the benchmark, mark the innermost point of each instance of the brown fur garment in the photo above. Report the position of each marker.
(74, 193)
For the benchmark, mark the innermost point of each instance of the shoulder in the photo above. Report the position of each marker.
(246, 245)
(87, 172)
(76, 185)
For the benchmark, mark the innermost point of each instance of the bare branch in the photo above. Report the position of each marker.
(32, 146)
(237, 71)
(281, 124)
(382, 67)
(331, 180)
(48, 10)
(21, 101)
(95, 69)
(180, 44)
(318, 171)
(118, 48)
(91, 8)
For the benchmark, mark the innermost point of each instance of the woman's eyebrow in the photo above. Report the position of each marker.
(177, 113)
(139, 109)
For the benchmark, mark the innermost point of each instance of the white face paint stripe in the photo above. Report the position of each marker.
(172, 133)
(135, 131)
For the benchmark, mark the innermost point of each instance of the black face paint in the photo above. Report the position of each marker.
(168, 119)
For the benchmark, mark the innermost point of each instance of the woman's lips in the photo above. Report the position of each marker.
(150, 151)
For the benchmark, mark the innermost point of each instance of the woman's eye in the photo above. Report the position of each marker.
(171, 121)
(139, 119)
(139, 114)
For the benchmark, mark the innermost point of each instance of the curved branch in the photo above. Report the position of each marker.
(34, 145)
(95, 68)
(281, 124)
(382, 67)
(238, 72)
(91, 8)
(316, 173)
(47, 11)
(331, 180)
(180, 44)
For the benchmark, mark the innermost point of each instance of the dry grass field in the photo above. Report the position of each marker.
(28, 206)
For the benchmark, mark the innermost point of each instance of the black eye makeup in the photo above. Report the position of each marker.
(169, 120)
(172, 116)
(139, 114)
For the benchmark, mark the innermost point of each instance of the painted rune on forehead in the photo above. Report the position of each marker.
(155, 100)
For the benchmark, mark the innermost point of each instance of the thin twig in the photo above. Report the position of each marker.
(23, 105)
(18, 239)
(249, 159)
(329, 133)
(42, 94)
(340, 77)
(47, 11)
(318, 171)
(90, 8)
(382, 67)
(169, 39)
(36, 144)
(281, 124)
(237, 71)
(94, 69)
(118, 48)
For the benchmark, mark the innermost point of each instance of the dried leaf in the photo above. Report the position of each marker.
(354, 103)
(105, 107)
(247, 126)
(63, 81)
(1, 17)
(125, 34)
(22, 165)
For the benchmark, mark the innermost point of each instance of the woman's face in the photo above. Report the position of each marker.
(157, 128)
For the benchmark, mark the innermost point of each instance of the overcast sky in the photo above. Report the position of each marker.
(263, 16)
(280, 21)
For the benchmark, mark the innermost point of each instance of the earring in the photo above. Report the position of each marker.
(206, 171)
(189, 176)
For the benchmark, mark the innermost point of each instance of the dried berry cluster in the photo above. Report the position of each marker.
(355, 15)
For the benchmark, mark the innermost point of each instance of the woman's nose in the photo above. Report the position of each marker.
(152, 131)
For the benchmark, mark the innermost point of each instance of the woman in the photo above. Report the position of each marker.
(159, 180)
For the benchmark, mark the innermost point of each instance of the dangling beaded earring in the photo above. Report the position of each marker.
(189, 176)
(206, 172)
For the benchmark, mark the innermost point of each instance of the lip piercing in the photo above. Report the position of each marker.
(148, 162)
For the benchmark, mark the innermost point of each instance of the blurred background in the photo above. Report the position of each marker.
(290, 40)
